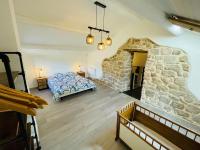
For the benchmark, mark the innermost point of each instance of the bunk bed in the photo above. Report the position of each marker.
(15, 131)
(140, 128)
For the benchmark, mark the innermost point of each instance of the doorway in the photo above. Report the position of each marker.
(137, 74)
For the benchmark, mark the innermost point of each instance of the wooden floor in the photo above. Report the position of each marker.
(86, 121)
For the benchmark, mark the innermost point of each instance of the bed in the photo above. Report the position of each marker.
(64, 84)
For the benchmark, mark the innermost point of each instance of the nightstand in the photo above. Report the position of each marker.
(81, 73)
(42, 83)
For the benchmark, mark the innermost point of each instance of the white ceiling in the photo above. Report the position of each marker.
(155, 9)
(71, 14)
(37, 17)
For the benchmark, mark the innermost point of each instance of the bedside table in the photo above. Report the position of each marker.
(81, 73)
(42, 83)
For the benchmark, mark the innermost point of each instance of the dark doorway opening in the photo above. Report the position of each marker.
(137, 74)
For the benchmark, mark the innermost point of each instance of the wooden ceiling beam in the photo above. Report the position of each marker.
(191, 24)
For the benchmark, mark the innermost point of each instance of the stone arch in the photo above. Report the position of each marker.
(165, 76)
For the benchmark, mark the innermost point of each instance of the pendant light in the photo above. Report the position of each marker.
(108, 41)
(90, 38)
(101, 45)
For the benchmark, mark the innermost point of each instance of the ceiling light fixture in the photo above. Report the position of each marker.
(90, 37)
(108, 41)
(101, 45)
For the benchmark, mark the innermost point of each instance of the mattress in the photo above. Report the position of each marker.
(63, 84)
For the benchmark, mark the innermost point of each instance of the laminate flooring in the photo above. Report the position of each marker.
(84, 121)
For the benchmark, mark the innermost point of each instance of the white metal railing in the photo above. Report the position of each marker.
(147, 138)
(184, 131)
(143, 135)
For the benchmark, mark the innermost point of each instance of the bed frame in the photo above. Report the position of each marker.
(67, 94)
(14, 121)
(136, 137)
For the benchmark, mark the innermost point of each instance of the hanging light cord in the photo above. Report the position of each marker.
(103, 17)
(96, 16)
(101, 36)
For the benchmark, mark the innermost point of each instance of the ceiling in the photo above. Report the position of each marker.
(72, 14)
(75, 15)
(155, 9)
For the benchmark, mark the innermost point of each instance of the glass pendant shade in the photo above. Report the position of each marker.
(108, 41)
(101, 46)
(90, 39)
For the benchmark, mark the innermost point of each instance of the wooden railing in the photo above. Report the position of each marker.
(133, 111)
(143, 135)
(182, 130)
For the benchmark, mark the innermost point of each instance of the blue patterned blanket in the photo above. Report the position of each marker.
(68, 83)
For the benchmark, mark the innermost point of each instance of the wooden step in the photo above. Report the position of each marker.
(8, 124)
(10, 135)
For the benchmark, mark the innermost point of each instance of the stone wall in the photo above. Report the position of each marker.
(117, 71)
(165, 77)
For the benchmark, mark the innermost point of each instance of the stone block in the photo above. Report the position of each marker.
(120, 63)
(170, 59)
(158, 72)
(173, 86)
(175, 98)
(192, 109)
(197, 103)
(169, 73)
(157, 57)
(147, 73)
(174, 67)
(159, 66)
(164, 99)
(185, 74)
(186, 67)
(154, 52)
(177, 105)
(153, 75)
(196, 119)
(165, 80)
(167, 108)
(149, 93)
(166, 51)
(179, 81)
(183, 59)
(161, 87)
(176, 52)
(181, 113)
(177, 93)
(157, 81)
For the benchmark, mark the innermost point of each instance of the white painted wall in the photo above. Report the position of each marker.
(52, 61)
(8, 28)
(9, 38)
(187, 40)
